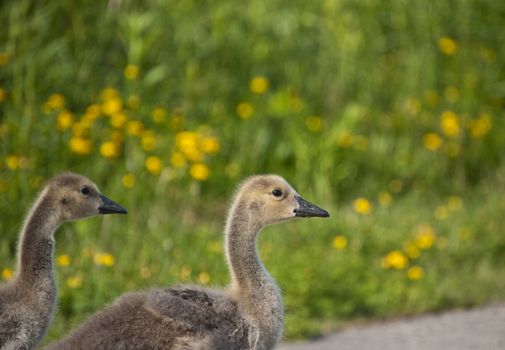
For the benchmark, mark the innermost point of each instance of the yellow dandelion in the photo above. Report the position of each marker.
(135, 128)
(199, 171)
(339, 242)
(362, 206)
(210, 145)
(314, 123)
(159, 115)
(245, 110)
(451, 93)
(385, 199)
(455, 203)
(480, 126)
(177, 160)
(109, 149)
(447, 46)
(203, 277)
(185, 273)
(131, 72)
(432, 141)
(148, 141)
(412, 251)
(396, 260)
(74, 282)
(65, 120)
(154, 165)
(449, 123)
(145, 272)
(441, 212)
(63, 260)
(7, 273)
(345, 140)
(187, 142)
(133, 102)
(128, 180)
(118, 120)
(3, 95)
(55, 101)
(415, 273)
(93, 111)
(109, 94)
(80, 145)
(104, 259)
(258, 85)
(4, 58)
(431, 98)
(426, 237)
(112, 106)
(13, 162)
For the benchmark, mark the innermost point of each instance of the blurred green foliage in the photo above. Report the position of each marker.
(387, 113)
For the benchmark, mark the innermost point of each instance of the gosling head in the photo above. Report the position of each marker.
(270, 199)
(76, 197)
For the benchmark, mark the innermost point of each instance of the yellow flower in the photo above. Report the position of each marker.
(447, 46)
(245, 110)
(415, 273)
(177, 160)
(148, 141)
(345, 139)
(133, 101)
(109, 149)
(93, 111)
(362, 206)
(314, 123)
(109, 94)
(55, 101)
(449, 123)
(65, 120)
(340, 242)
(199, 171)
(80, 145)
(432, 141)
(4, 58)
(159, 115)
(210, 145)
(396, 260)
(385, 199)
(426, 237)
(412, 251)
(128, 180)
(74, 281)
(135, 128)
(3, 95)
(13, 162)
(455, 203)
(7, 273)
(480, 126)
(104, 259)
(441, 212)
(153, 165)
(131, 72)
(451, 93)
(185, 273)
(258, 85)
(112, 106)
(187, 142)
(63, 260)
(203, 277)
(118, 120)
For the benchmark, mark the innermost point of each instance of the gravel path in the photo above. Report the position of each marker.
(477, 329)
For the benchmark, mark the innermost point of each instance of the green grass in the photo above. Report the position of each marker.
(159, 104)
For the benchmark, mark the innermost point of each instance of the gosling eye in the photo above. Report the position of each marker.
(85, 190)
(277, 193)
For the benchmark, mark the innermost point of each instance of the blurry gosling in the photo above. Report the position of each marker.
(27, 302)
(246, 315)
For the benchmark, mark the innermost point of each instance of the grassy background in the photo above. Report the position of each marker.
(387, 113)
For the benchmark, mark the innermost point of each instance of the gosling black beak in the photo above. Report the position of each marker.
(110, 207)
(307, 209)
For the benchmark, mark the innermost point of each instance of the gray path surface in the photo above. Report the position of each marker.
(477, 329)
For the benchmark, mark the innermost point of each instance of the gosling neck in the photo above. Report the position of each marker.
(36, 246)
